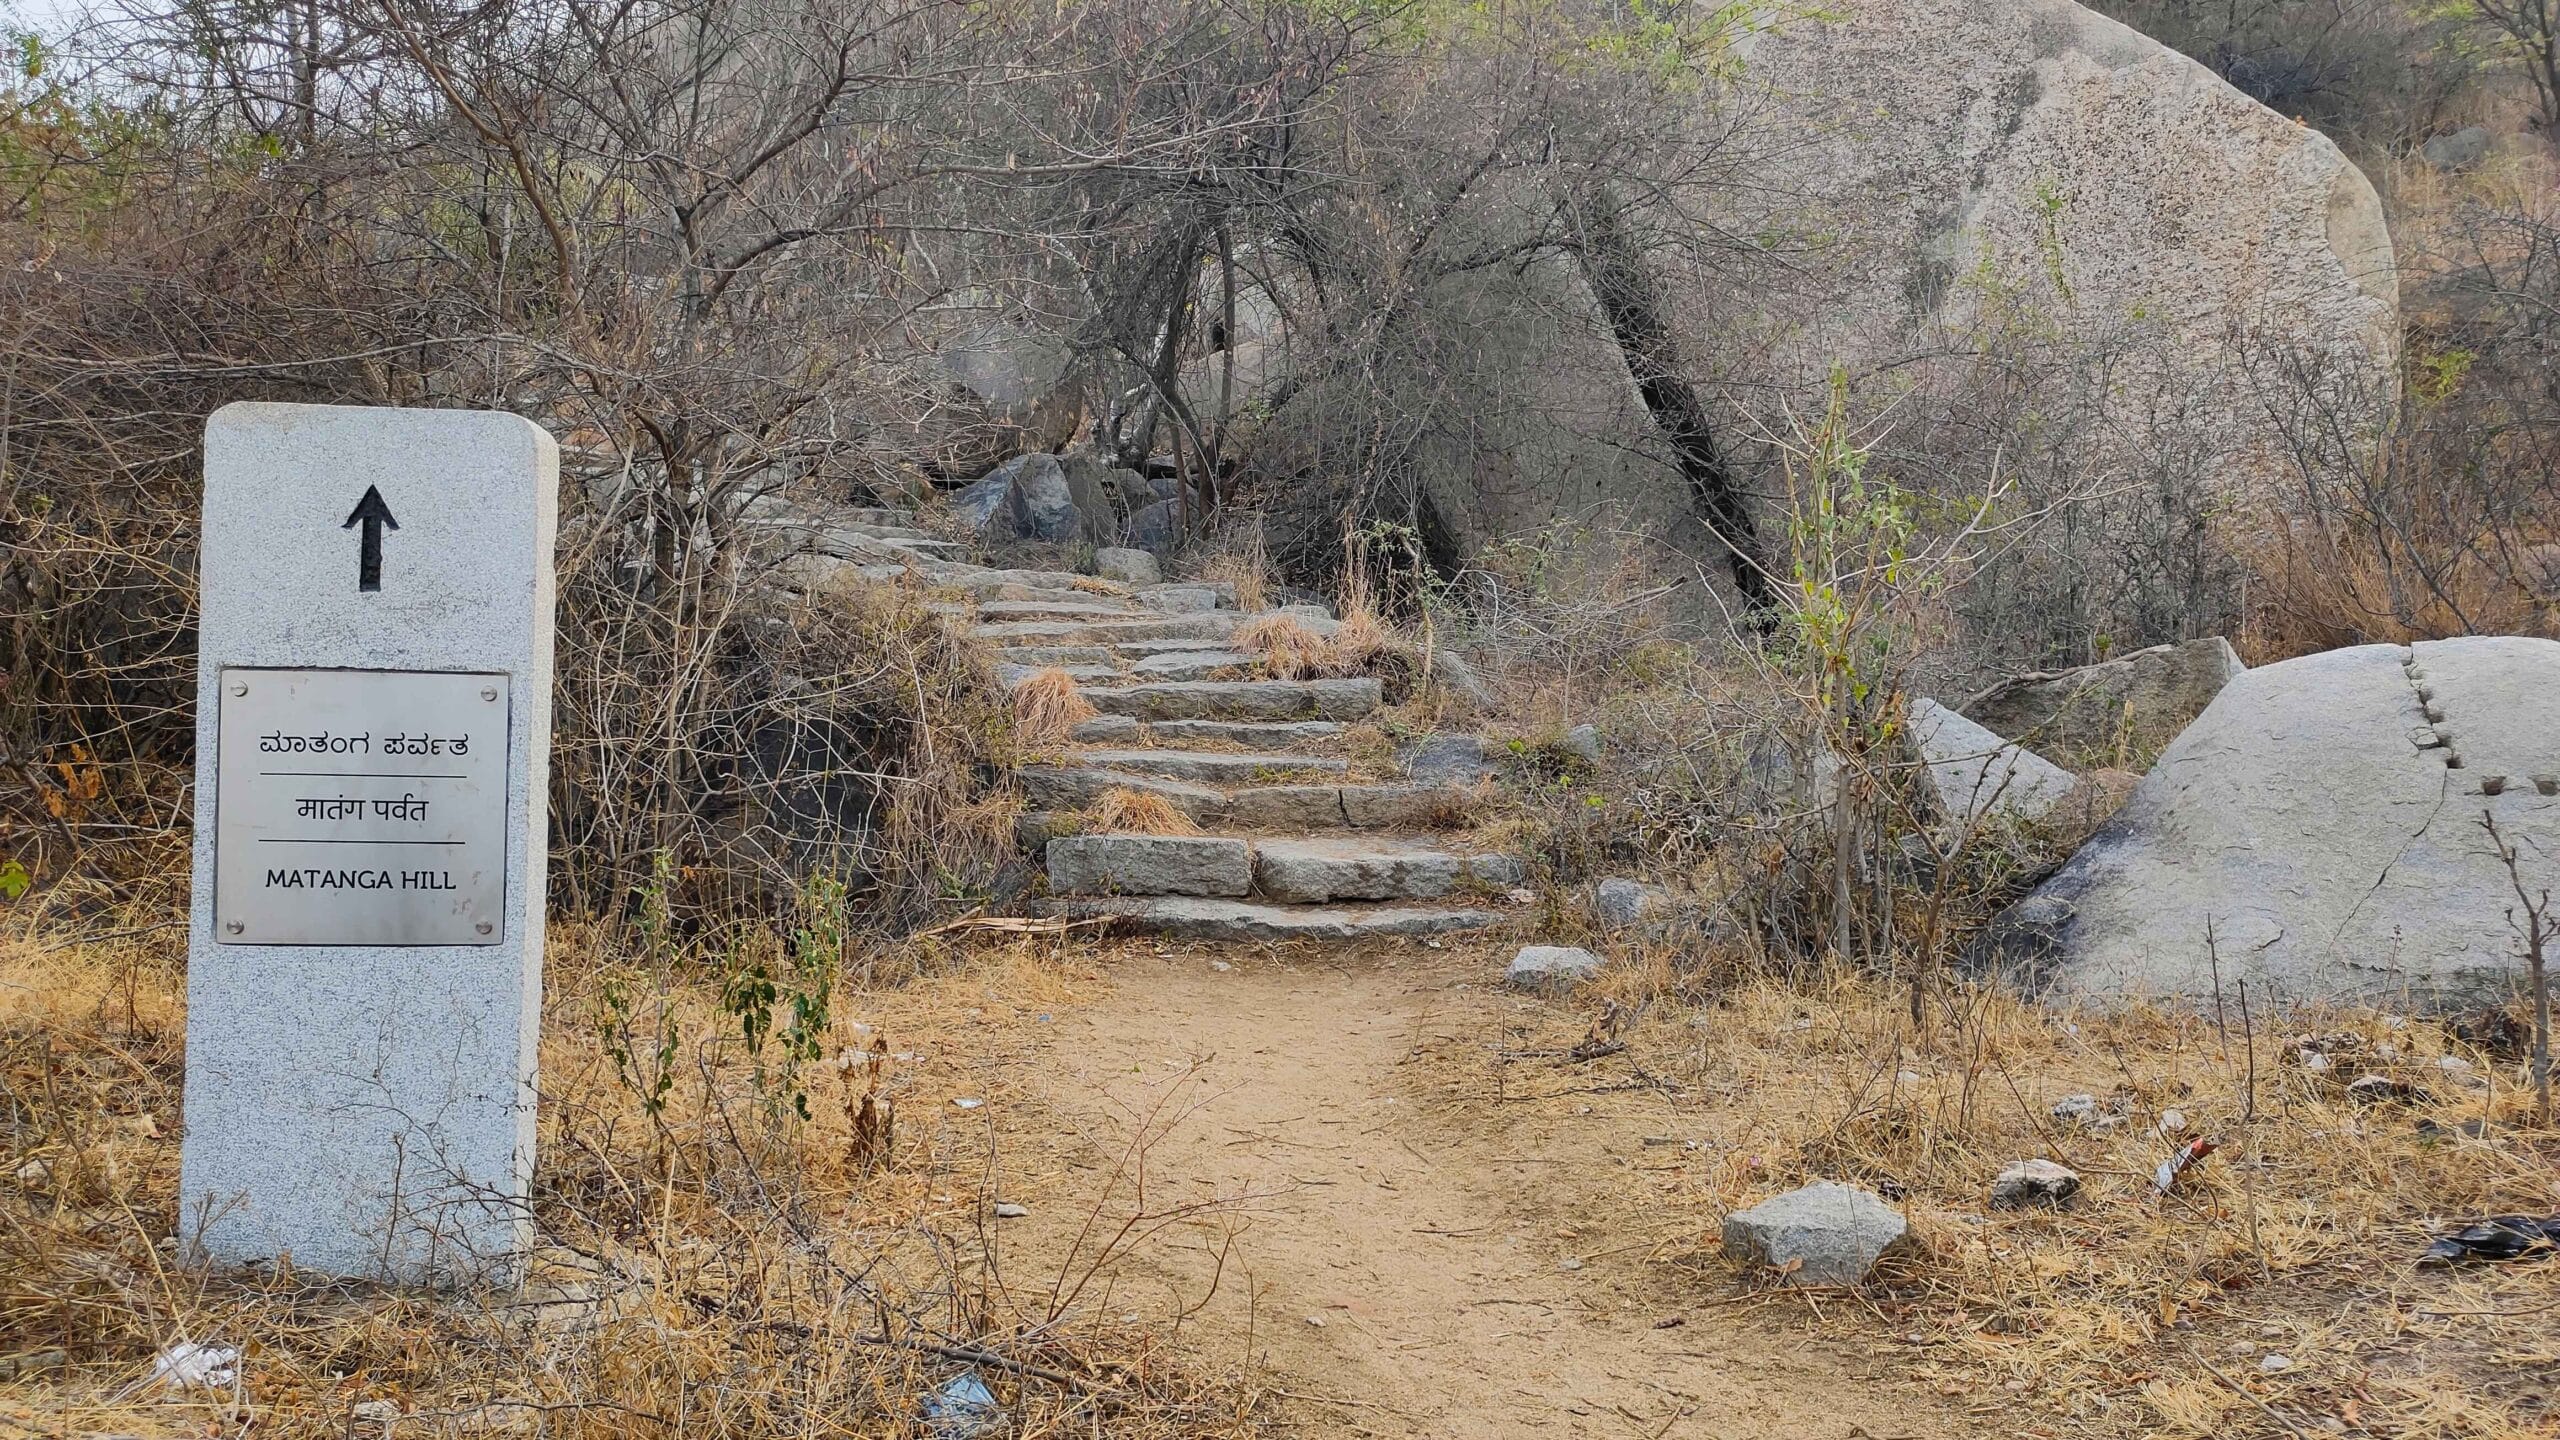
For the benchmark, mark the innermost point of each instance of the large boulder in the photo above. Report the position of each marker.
(2131, 705)
(2318, 833)
(1972, 164)
(1941, 176)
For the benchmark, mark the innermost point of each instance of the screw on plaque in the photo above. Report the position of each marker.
(488, 692)
(484, 927)
(235, 927)
(240, 689)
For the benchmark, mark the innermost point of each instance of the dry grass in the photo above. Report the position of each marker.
(2315, 593)
(1286, 647)
(720, 1270)
(2123, 1314)
(1047, 708)
(1122, 811)
(1238, 557)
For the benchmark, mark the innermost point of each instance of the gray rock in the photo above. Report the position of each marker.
(2321, 821)
(1974, 774)
(1446, 760)
(1108, 730)
(1226, 767)
(1039, 504)
(1194, 665)
(1245, 732)
(1152, 527)
(1622, 904)
(2024, 1183)
(1242, 700)
(2457, 151)
(1184, 599)
(978, 501)
(1837, 1231)
(2092, 715)
(1551, 967)
(1128, 567)
(1461, 690)
(1582, 742)
(1149, 865)
(1312, 872)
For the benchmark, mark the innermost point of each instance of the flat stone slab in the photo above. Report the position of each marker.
(1058, 655)
(1109, 730)
(1314, 871)
(1551, 967)
(1053, 787)
(1244, 732)
(1356, 807)
(1976, 774)
(1064, 607)
(1012, 675)
(1822, 1234)
(1203, 919)
(1242, 700)
(1149, 865)
(1217, 625)
(1212, 766)
(1193, 665)
(1184, 599)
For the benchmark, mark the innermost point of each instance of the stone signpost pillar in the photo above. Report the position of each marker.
(373, 723)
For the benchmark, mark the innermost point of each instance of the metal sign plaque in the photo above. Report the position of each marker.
(360, 807)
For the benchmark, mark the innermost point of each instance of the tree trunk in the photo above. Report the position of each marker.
(1616, 275)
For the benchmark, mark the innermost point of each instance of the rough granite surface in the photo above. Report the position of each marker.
(2318, 833)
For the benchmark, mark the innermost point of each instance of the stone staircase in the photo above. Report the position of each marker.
(1310, 829)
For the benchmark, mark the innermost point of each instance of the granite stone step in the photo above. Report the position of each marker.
(1288, 808)
(1212, 767)
(1058, 655)
(1316, 870)
(1069, 787)
(1200, 918)
(1215, 625)
(1074, 605)
(1010, 675)
(1241, 700)
(1262, 733)
(1193, 665)
(1149, 865)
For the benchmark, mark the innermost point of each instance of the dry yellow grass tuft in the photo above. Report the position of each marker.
(1122, 811)
(1287, 648)
(1047, 707)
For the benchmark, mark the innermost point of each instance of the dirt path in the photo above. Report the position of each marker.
(1400, 1260)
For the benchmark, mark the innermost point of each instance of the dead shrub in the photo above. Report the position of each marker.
(1047, 708)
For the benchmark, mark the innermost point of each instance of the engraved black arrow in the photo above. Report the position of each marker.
(376, 516)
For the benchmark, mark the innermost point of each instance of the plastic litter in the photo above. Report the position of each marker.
(962, 1408)
(199, 1367)
(2165, 1179)
(2500, 1237)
